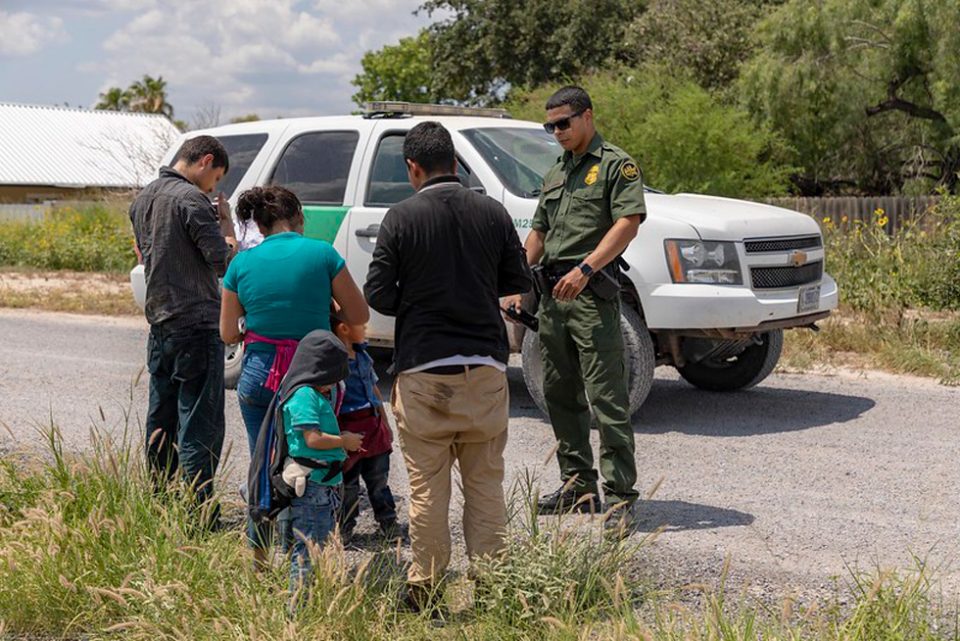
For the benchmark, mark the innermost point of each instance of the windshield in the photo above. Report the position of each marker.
(520, 157)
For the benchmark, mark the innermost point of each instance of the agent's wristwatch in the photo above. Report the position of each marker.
(586, 269)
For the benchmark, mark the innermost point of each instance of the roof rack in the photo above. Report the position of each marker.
(385, 109)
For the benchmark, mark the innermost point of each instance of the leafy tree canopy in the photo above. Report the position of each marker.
(397, 72)
(487, 46)
(709, 40)
(865, 91)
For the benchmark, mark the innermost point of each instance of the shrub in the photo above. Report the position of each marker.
(918, 266)
(684, 138)
(89, 237)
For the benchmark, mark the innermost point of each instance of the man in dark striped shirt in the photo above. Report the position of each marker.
(185, 243)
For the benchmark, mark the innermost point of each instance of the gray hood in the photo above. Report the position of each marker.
(320, 359)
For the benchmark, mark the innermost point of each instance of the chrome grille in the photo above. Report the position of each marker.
(761, 245)
(786, 276)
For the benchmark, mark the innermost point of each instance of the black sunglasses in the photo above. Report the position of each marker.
(563, 124)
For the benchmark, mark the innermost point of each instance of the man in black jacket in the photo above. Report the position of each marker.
(443, 258)
(185, 243)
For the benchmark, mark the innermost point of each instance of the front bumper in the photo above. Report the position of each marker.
(741, 309)
(138, 284)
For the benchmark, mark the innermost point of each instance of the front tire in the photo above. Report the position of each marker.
(742, 371)
(638, 351)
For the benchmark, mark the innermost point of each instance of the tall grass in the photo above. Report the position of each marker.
(87, 550)
(91, 237)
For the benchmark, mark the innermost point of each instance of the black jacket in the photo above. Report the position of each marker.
(183, 252)
(443, 258)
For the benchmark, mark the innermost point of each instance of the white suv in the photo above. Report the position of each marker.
(711, 282)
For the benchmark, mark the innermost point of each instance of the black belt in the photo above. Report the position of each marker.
(558, 270)
(451, 369)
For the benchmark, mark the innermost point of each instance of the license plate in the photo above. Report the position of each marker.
(809, 299)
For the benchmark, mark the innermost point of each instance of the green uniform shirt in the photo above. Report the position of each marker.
(307, 409)
(582, 197)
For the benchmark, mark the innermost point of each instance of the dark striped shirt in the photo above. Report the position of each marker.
(183, 252)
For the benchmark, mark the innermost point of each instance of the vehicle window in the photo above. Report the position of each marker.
(389, 183)
(520, 157)
(241, 150)
(315, 166)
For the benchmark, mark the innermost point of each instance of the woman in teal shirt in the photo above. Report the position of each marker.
(282, 288)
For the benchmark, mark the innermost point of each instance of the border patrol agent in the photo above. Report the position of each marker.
(590, 209)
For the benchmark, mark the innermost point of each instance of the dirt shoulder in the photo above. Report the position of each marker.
(65, 291)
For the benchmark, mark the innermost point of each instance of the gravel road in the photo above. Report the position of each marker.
(792, 481)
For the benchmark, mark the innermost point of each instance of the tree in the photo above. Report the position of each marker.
(486, 47)
(865, 91)
(246, 118)
(114, 99)
(149, 95)
(205, 116)
(397, 72)
(710, 40)
(684, 138)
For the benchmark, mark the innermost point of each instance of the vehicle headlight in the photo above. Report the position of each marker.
(696, 261)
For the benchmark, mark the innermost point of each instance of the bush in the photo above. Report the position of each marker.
(916, 267)
(684, 138)
(90, 237)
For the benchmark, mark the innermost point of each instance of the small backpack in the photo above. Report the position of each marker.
(267, 493)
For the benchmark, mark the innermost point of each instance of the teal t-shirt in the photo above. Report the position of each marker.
(307, 409)
(284, 285)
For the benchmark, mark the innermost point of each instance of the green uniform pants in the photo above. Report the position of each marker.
(582, 351)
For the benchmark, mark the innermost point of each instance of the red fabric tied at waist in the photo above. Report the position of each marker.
(373, 426)
(281, 362)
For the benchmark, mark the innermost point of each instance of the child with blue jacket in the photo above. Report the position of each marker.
(362, 412)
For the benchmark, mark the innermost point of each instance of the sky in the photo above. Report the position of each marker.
(228, 57)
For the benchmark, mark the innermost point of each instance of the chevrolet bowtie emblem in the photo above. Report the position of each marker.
(798, 258)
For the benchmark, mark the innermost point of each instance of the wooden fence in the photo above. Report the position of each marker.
(844, 211)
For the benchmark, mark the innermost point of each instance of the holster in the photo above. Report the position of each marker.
(605, 283)
(541, 282)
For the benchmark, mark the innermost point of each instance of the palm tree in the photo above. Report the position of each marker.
(114, 99)
(149, 95)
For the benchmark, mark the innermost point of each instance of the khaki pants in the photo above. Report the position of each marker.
(442, 419)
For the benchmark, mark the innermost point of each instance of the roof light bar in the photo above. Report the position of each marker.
(384, 108)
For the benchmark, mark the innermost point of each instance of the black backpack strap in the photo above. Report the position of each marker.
(333, 467)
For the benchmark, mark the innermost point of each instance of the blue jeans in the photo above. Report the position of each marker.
(254, 401)
(185, 420)
(375, 472)
(313, 517)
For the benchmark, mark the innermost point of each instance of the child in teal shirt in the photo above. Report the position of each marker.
(311, 429)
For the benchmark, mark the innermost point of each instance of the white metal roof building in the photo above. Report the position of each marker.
(54, 151)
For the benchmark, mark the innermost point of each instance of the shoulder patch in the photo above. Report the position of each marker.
(630, 171)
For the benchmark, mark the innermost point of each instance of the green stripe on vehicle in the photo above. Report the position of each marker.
(323, 221)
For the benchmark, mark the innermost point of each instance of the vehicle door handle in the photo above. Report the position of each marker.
(370, 232)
